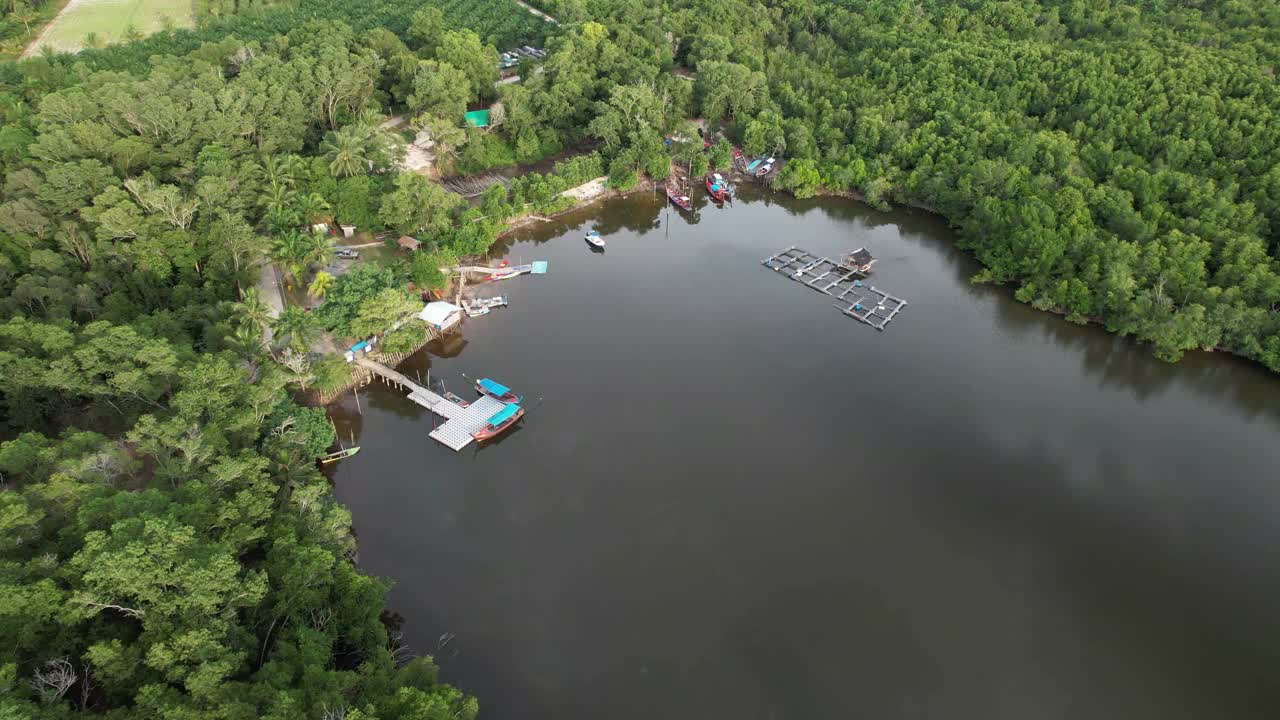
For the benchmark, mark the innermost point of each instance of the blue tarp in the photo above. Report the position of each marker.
(753, 164)
(504, 414)
(494, 387)
(539, 267)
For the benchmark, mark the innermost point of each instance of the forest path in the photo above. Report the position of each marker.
(528, 7)
(34, 46)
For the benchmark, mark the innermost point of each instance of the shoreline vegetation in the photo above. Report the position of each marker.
(171, 549)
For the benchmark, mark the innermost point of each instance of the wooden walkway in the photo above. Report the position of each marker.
(856, 299)
(459, 422)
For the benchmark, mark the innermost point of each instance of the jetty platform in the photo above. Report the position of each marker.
(862, 302)
(459, 422)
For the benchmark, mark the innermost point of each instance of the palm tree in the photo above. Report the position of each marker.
(253, 310)
(282, 219)
(299, 325)
(311, 206)
(291, 251)
(319, 249)
(320, 285)
(346, 151)
(278, 195)
(246, 342)
(281, 169)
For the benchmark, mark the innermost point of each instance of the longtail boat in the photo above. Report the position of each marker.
(497, 424)
(494, 389)
(764, 169)
(717, 187)
(680, 201)
(739, 160)
(339, 455)
(456, 400)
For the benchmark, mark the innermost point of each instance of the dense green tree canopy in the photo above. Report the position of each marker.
(169, 548)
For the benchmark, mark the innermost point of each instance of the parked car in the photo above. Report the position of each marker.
(346, 254)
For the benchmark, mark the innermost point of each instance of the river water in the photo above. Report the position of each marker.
(729, 500)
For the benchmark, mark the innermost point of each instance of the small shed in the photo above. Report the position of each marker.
(408, 243)
(859, 260)
(478, 118)
(441, 315)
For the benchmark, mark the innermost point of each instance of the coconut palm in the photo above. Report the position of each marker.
(282, 219)
(320, 285)
(281, 170)
(246, 342)
(290, 251)
(319, 249)
(299, 326)
(253, 310)
(278, 195)
(346, 151)
(311, 207)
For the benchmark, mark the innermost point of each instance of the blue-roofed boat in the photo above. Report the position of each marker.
(495, 389)
(497, 424)
(717, 187)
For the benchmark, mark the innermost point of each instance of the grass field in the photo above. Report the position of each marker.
(109, 19)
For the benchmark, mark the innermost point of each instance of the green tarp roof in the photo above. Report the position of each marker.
(478, 118)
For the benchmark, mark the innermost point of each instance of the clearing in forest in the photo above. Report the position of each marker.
(109, 19)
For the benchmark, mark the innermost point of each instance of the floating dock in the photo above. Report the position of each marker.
(856, 299)
(459, 422)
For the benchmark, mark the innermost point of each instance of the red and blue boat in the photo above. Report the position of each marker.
(498, 423)
(717, 187)
(497, 390)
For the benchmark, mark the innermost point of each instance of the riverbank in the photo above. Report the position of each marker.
(583, 196)
(1075, 319)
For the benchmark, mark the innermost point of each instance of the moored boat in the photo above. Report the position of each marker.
(495, 389)
(717, 187)
(339, 455)
(475, 307)
(680, 201)
(509, 415)
(594, 238)
(764, 169)
(456, 400)
(739, 160)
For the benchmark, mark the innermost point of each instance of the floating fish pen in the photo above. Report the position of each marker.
(841, 279)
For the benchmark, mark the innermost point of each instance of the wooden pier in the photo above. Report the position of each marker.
(459, 422)
(856, 299)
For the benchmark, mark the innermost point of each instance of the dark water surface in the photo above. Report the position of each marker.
(735, 502)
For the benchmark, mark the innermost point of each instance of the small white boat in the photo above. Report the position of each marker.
(475, 307)
(594, 238)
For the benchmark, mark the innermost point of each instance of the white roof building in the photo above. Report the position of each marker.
(441, 315)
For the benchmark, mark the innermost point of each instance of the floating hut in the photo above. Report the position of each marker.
(859, 261)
